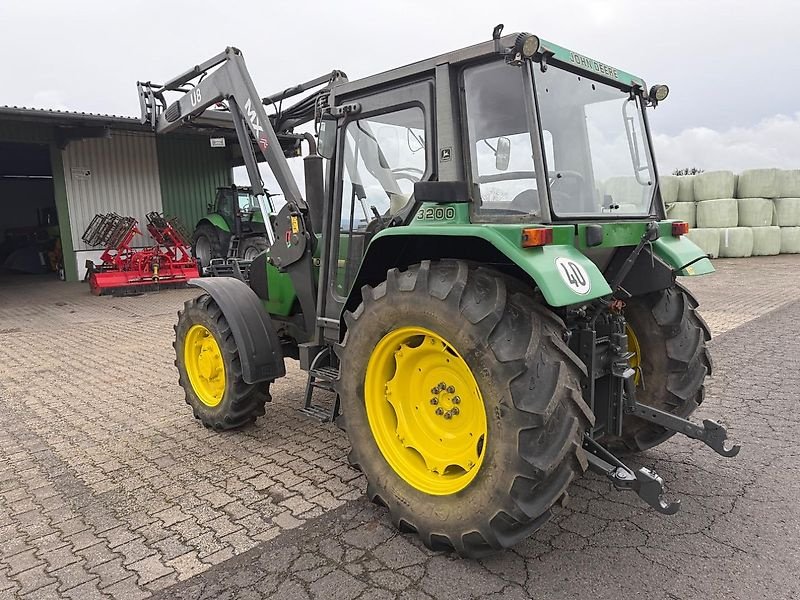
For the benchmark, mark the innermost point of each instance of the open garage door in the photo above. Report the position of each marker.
(30, 242)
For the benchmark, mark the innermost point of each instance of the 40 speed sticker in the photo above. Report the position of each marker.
(574, 275)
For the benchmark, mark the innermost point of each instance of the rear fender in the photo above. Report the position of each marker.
(252, 328)
(679, 251)
(550, 268)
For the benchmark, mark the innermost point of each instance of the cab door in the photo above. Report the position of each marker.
(382, 150)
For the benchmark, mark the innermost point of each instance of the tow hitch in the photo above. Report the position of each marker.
(645, 482)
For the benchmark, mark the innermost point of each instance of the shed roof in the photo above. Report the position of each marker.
(68, 117)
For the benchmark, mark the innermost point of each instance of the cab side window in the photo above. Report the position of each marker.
(383, 156)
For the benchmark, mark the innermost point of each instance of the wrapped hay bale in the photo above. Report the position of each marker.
(790, 240)
(686, 188)
(787, 212)
(736, 242)
(669, 184)
(706, 239)
(788, 183)
(755, 212)
(766, 241)
(714, 185)
(758, 183)
(723, 212)
(682, 211)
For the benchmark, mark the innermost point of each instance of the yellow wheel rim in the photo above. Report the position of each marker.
(635, 361)
(425, 411)
(204, 365)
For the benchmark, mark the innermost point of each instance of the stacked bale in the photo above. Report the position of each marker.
(755, 213)
(736, 242)
(787, 210)
(683, 211)
(756, 189)
(783, 188)
(707, 240)
(679, 206)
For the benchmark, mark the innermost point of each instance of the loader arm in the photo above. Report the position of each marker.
(225, 77)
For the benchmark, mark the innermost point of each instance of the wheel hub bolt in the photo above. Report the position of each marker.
(434, 401)
(456, 400)
(448, 415)
(442, 386)
(439, 411)
(451, 390)
(455, 410)
(435, 390)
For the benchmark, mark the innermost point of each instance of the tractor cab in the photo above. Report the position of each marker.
(239, 208)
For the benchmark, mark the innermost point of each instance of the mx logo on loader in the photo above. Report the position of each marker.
(252, 116)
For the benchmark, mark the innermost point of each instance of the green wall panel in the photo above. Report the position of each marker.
(190, 171)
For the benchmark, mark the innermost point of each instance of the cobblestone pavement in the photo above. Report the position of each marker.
(109, 488)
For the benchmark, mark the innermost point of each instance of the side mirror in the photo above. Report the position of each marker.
(326, 138)
(502, 156)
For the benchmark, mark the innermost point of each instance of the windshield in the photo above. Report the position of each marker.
(599, 161)
(247, 202)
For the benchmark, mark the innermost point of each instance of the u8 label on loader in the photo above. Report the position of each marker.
(574, 275)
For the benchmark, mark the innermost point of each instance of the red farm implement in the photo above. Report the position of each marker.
(126, 270)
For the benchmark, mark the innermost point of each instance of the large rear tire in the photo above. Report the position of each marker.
(669, 339)
(487, 476)
(251, 247)
(210, 370)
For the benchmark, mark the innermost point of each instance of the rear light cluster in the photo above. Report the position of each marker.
(680, 228)
(536, 236)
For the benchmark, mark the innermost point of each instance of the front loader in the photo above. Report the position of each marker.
(483, 273)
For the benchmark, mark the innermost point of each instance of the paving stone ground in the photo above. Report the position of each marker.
(109, 487)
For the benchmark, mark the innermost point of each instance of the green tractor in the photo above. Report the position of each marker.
(233, 228)
(484, 274)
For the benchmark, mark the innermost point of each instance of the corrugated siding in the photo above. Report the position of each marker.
(191, 171)
(123, 178)
(20, 131)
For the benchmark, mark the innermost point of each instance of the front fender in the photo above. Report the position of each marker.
(217, 221)
(407, 245)
(253, 331)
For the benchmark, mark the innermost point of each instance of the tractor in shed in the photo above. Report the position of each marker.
(233, 228)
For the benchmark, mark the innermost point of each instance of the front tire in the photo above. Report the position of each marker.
(673, 361)
(206, 244)
(210, 370)
(524, 388)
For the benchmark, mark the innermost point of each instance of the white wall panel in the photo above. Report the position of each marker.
(117, 174)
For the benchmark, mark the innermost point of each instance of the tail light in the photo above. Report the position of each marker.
(680, 228)
(536, 236)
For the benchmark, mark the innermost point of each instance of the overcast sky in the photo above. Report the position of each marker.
(732, 66)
